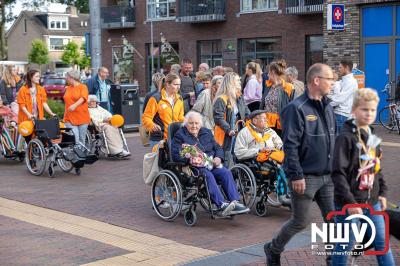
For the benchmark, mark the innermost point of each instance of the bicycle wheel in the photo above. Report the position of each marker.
(35, 157)
(387, 119)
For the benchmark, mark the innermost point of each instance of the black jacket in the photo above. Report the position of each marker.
(205, 142)
(346, 165)
(308, 130)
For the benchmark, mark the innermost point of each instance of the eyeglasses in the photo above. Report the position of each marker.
(331, 79)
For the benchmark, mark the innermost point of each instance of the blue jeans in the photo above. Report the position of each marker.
(340, 119)
(79, 132)
(225, 177)
(378, 244)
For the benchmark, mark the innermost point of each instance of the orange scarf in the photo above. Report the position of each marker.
(255, 134)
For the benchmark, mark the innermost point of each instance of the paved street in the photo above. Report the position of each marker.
(104, 217)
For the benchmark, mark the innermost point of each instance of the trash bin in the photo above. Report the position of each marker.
(125, 101)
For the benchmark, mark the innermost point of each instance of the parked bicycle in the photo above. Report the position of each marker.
(389, 116)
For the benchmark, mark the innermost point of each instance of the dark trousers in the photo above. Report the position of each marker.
(254, 106)
(319, 188)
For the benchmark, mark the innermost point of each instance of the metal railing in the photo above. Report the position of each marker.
(201, 11)
(117, 17)
(304, 6)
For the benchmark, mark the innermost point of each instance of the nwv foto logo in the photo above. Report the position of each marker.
(357, 225)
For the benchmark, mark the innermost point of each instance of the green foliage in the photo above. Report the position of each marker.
(81, 5)
(57, 107)
(84, 61)
(71, 54)
(39, 53)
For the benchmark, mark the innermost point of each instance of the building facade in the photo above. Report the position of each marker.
(55, 29)
(371, 38)
(218, 32)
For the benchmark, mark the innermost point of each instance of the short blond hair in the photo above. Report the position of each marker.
(366, 95)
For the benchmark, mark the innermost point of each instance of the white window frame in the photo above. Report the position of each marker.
(155, 2)
(64, 38)
(268, 9)
(59, 20)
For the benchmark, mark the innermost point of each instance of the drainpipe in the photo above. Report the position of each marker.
(95, 35)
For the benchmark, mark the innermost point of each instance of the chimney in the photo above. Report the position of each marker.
(72, 11)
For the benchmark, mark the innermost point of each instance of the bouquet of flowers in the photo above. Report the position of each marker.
(196, 156)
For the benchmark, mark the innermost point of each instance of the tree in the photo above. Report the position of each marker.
(71, 54)
(4, 18)
(81, 5)
(39, 54)
(84, 61)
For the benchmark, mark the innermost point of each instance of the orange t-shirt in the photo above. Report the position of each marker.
(80, 115)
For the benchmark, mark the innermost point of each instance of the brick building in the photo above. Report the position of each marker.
(371, 38)
(227, 32)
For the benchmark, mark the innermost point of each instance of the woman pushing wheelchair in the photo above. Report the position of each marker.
(195, 139)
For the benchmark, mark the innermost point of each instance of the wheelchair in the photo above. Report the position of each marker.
(260, 181)
(10, 141)
(178, 187)
(54, 146)
(96, 142)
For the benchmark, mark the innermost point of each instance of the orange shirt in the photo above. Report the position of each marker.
(80, 115)
(24, 100)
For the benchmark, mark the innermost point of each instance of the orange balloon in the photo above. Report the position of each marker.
(25, 128)
(117, 120)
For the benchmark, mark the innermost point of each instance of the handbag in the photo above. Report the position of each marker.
(150, 167)
(144, 136)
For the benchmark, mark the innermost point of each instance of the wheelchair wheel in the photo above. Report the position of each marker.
(88, 140)
(166, 195)
(35, 157)
(246, 184)
(261, 208)
(65, 165)
(190, 217)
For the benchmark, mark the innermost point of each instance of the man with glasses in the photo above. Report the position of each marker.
(343, 94)
(100, 85)
(309, 139)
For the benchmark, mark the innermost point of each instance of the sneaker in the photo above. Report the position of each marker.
(239, 208)
(272, 258)
(226, 208)
(123, 154)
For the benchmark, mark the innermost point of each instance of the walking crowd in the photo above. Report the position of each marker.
(321, 128)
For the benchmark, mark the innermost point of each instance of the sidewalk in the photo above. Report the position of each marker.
(303, 256)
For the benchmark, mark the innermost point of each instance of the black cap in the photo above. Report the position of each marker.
(256, 113)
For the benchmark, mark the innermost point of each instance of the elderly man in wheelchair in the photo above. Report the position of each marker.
(195, 145)
(258, 151)
(113, 141)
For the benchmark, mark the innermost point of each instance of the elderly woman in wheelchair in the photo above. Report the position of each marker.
(192, 134)
(113, 143)
(258, 151)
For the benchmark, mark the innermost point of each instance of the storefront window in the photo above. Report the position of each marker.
(265, 49)
(164, 55)
(314, 46)
(122, 63)
(210, 52)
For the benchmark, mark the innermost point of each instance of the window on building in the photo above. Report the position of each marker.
(210, 52)
(314, 45)
(164, 56)
(25, 26)
(161, 9)
(265, 49)
(58, 25)
(57, 44)
(258, 5)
